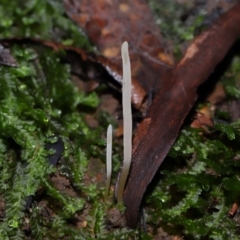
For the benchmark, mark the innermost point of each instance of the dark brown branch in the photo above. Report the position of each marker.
(159, 130)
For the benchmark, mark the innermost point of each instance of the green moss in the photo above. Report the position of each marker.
(39, 102)
(40, 19)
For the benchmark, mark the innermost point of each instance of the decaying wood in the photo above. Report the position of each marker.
(159, 130)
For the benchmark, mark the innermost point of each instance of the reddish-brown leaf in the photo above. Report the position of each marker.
(109, 23)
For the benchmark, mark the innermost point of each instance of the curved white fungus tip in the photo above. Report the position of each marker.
(109, 160)
(127, 120)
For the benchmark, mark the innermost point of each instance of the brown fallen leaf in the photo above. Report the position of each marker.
(233, 209)
(110, 22)
(177, 238)
(203, 118)
(217, 95)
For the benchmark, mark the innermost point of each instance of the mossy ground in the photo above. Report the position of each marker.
(197, 184)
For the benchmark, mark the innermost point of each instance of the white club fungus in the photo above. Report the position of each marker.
(127, 120)
(108, 159)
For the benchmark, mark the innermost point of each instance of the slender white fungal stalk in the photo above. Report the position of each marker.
(109, 160)
(127, 120)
